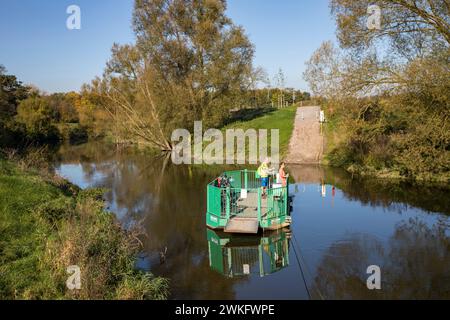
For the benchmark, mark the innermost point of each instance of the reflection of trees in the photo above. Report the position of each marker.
(391, 194)
(414, 265)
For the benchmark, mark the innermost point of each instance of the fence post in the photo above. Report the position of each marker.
(208, 194)
(259, 205)
(246, 179)
(286, 200)
(228, 203)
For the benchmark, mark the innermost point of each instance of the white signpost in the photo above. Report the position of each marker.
(322, 116)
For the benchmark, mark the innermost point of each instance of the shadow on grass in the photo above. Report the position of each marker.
(248, 114)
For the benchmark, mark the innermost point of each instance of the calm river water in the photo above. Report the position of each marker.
(341, 226)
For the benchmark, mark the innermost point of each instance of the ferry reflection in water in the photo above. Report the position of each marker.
(243, 255)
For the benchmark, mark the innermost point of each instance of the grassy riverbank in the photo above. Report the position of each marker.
(47, 225)
(282, 119)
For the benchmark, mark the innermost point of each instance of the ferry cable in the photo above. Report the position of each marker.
(301, 270)
(306, 265)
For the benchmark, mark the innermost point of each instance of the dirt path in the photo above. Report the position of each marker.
(307, 142)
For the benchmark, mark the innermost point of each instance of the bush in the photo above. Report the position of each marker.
(37, 116)
(400, 135)
(56, 210)
(78, 135)
(12, 134)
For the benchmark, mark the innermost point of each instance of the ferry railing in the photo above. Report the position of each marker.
(223, 203)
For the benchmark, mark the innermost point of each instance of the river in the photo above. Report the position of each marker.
(341, 226)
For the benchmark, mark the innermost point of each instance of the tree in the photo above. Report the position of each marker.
(411, 26)
(190, 62)
(280, 80)
(63, 107)
(37, 115)
(415, 30)
(324, 70)
(11, 92)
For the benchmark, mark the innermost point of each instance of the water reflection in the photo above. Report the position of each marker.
(414, 263)
(392, 195)
(340, 226)
(240, 255)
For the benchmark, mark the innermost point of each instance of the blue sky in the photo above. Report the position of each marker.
(38, 48)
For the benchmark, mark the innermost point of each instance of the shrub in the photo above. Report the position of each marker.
(56, 210)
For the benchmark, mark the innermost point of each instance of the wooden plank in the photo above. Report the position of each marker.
(242, 225)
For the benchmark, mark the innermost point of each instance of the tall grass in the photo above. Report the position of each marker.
(46, 226)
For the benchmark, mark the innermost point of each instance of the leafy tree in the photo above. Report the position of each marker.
(411, 26)
(37, 115)
(190, 62)
(11, 92)
(63, 108)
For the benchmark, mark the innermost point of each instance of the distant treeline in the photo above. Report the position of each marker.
(273, 97)
(29, 117)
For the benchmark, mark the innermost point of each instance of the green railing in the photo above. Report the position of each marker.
(224, 203)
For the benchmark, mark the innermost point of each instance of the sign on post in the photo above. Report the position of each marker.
(322, 116)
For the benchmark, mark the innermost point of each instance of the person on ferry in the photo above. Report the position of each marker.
(283, 175)
(263, 172)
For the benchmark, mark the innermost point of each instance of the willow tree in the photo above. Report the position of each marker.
(379, 60)
(189, 63)
(411, 26)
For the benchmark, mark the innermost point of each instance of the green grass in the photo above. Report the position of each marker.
(22, 237)
(43, 230)
(282, 120)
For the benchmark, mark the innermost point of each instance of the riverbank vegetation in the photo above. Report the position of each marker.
(282, 120)
(48, 225)
(387, 91)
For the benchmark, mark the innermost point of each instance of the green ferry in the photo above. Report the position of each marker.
(236, 203)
